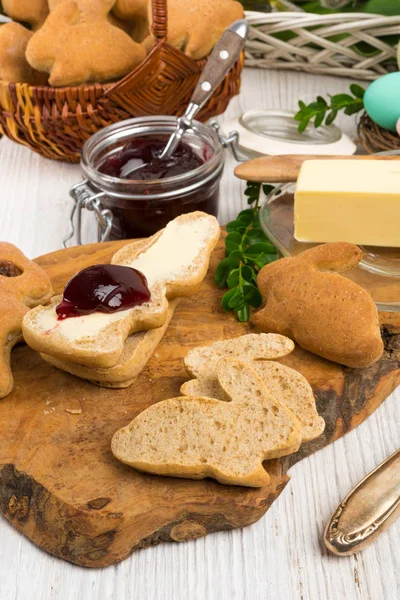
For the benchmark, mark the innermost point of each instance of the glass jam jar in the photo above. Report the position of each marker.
(129, 208)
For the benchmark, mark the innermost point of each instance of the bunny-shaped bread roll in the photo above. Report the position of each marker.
(77, 44)
(33, 12)
(135, 12)
(306, 299)
(195, 26)
(14, 68)
(23, 284)
(131, 9)
(197, 437)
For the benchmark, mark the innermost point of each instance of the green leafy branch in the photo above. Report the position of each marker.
(321, 111)
(248, 250)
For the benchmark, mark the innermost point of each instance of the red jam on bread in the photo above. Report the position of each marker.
(103, 288)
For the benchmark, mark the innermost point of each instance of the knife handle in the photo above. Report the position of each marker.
(370, 508)
(286, 168)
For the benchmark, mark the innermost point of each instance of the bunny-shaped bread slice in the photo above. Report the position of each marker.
(196, 437)
(174, 262)
(138, 349)
(257, 349)
(252, 346)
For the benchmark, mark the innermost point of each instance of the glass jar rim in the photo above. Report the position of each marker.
(131, 128)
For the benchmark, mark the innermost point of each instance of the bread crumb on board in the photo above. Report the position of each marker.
(73, 411)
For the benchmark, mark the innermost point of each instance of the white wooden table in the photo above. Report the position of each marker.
(280, 557)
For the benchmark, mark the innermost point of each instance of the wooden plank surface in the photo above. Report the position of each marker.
(60, 484)
(281, 556)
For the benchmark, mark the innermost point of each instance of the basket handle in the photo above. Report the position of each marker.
(159, 25)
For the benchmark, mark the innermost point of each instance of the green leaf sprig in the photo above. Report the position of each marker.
(248, 250)
(320, 110)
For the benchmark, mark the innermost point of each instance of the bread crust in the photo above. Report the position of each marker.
(33, 12)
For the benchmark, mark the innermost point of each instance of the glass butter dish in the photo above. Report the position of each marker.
(378, 272)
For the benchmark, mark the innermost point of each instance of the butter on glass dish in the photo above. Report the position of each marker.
(335, 211)
(353, 201)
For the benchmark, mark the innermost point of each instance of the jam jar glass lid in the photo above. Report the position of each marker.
(274, 132)
(202, 138)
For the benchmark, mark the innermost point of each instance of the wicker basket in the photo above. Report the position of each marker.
(305, 43)
(55, 122)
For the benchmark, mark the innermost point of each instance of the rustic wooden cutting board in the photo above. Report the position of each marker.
(61, 486)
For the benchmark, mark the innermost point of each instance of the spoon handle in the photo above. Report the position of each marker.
(369, 509)
(223, 57)
(221, 60)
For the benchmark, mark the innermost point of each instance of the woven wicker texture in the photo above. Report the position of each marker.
(55, 122)
(375, 139)
(322, 44)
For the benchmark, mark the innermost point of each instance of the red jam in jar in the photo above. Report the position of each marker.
(103, 288)
(143, 155)
(158, 191)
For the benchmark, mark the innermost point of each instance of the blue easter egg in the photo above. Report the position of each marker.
(382, 100)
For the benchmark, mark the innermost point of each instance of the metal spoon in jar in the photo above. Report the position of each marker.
(223, 57)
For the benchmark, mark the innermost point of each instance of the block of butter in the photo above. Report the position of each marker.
(348, 201)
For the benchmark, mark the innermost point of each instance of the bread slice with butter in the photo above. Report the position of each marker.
(138, 349)
(282, 382)
(174, 261)
(198, 437)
